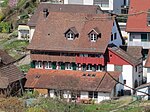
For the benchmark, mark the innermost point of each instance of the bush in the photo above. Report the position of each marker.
(33, 94)
(4, 27)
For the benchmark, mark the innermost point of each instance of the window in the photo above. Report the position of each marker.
(70, 36)
(144, 37)
(148, 17)
(115, 36)
(98, 67)
(68, 66)
(93, 37)
(84, 67)
(124, 81)
(38, 64)
(118, 68)
(93, 94)
(48, 65)
(136, 68)
(111, 37)
(89, 67)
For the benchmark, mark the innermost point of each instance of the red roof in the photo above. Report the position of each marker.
(137, 19)
(147, 63)
(49, 32)
(71, 80)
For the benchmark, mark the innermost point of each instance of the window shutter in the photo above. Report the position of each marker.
(62, 66)
(32, 64)
(74, 66)
(54, 65)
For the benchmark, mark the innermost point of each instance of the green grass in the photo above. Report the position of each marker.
(15, 48)
(24, 68)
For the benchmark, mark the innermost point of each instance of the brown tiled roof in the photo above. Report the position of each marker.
(134, 51)
(70, 80)
(5, 58)
(71, 8)
(137, 21)
(9, 74)
(49, 33)
(125, 56)
(147, 63)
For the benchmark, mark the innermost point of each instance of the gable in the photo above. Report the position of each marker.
(113, 58)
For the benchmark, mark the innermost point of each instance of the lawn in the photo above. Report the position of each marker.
(15, 48)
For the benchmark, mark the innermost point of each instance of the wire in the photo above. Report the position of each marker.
(126, 85)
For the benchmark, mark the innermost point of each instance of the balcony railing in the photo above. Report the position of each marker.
(85, 60)
(145, 45)
(40, 57)
(90, 60)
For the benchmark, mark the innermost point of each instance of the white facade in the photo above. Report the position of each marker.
(135, 39)
(115, 31)
(148, 75)
(110, 5)
(142, 95)
(23, 32)
(32, 29)
(84, 95)
(130, 75)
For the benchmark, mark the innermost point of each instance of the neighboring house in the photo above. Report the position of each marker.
(71, 84)
(127, 60)
(113, 6)
(23, 32)
(52, 1)
(147, 65)
(143, 91)
(10, 76)
(138, 24)
(125, 35)
(77, 43)
(47, 7)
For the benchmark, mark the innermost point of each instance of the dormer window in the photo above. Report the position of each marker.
(93, 37)
(94, 34)
(71, 33)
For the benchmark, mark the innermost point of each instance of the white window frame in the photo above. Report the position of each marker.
(39, 64)
(93, 37)
(48, 65)
(70, 36)
(68, 66)
(89, 67)
(98, 68)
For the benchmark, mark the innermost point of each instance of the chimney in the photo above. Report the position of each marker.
(45, 12)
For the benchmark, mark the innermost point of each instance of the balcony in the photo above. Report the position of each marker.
(40, 57)
(90, 60)
(145, 45)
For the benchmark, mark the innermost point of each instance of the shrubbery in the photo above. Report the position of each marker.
(5, 27)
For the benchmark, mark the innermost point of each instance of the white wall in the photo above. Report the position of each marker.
(148, 75)
(144, 97)
(67, 94)
(117, 41)
(32, 29)
(128, 76)
(83, 95)
(88, 2)
(103, 96)
(110, 67)
(51, 93)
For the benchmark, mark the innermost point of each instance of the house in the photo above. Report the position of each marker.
(138, 24)
(23, 32)
(57, 44)
(113, 6)
(128, 60)
(10, 76)
(52, 1)
(43, 7)
(73, 84)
